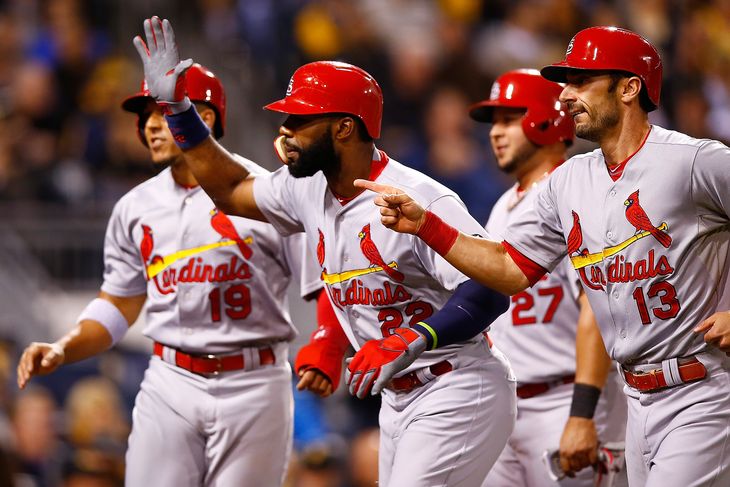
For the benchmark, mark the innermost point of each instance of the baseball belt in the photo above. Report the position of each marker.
(423, 376)
(419, 377)
(526, 391)
(672, 372)
(213, 364)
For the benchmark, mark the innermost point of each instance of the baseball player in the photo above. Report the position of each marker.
(448, 413)
(644, 220)
(215, 405)
(530, 132)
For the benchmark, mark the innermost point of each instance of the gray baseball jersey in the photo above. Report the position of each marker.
(651, 249)
(653, 252)
(214, 285)
(213, 282)
(537, 332)
(379, 280)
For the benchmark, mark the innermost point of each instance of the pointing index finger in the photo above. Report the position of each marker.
(375, 187)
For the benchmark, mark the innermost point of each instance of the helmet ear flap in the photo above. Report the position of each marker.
(545, 127)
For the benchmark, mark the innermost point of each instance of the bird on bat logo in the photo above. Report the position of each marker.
(370, 250)
(636, 215)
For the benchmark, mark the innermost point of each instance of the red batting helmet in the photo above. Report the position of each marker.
(332, 87)
(614, 49)
(546, 120)
(201, 86)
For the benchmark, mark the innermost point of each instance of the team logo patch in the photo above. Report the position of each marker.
(161, 269)
(570, 46)
(290, 87)
(224, 227)
(620, 270)
(371, 252)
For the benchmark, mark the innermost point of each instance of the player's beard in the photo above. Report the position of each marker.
(523, 154)
(606, 117)
(319, 156)
(595, 129)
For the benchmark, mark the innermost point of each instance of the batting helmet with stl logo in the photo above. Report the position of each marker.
(612, 49)
(201, 86)
(326, 87)
(546, 120)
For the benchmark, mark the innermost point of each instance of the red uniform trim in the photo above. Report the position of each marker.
(532, 270)
(618, 170)
(376, 167)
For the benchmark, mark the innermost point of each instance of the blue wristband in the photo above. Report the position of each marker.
(187, 128)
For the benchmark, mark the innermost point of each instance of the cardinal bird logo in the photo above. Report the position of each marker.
(223, 225)
(575, 237)
(320, 248)
(370, 251)
(148, 243)
(636, 215)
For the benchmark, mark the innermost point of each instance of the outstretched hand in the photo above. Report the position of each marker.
(163, 70)
(398, 211)
(38, 359)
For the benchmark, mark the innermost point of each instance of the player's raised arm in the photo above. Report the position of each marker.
(485, 261)
(221, 176)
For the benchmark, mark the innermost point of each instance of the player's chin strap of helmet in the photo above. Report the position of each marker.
(467, 313)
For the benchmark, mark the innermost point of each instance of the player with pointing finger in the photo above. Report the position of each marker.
(645, 222)
(415, 321)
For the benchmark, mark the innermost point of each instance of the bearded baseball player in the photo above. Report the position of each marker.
(530, 133)
(215, 405)
(448, 412)
(644, 220)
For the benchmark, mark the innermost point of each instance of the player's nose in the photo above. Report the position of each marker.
(567, 95)
(286, 131)
(155, 121)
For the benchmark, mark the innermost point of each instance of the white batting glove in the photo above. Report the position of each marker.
(379, 360)
(163, 70)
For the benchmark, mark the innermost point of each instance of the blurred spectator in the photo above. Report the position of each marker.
(450, 154)
(36, 432)
(94, 415)
(519, 40)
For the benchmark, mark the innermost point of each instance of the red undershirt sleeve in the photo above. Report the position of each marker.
(529, 268)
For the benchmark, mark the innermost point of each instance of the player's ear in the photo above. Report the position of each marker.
(208, 116)
(344, 128)
(631, 87)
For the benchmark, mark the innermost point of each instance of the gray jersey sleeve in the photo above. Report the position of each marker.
(538, 235)
(451, 210)
(302, 264)
(123, 268)
(711, 178)
(276, 198)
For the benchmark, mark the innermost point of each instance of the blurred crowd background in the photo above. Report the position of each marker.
(68, 152)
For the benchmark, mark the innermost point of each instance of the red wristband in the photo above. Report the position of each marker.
(437, 234)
